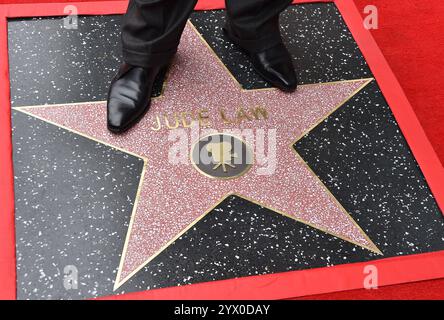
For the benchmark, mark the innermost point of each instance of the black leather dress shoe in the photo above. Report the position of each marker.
(129, 96)
(273, 64)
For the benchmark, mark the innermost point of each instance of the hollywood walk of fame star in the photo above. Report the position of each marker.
(172, 197)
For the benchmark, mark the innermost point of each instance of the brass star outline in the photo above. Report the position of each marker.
(144, 159)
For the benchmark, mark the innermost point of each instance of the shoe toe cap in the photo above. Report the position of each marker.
(120, 114)
(283, 77)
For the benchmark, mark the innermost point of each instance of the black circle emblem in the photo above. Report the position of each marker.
(221, 156)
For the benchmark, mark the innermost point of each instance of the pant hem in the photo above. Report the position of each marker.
(254, 45)
(147, 60)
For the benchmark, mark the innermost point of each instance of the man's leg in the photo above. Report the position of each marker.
(152, 29)
(254, 26)
(150, 36)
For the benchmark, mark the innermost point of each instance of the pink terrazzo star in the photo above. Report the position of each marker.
(173, 196)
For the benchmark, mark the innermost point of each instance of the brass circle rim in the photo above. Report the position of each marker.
(242, 173)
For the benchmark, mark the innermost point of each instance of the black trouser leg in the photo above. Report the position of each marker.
(255, 23)
(152, 29)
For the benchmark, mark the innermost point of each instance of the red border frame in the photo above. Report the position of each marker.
(278, 286)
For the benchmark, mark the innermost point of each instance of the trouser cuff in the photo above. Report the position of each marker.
(255, 45)
(147, 60)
